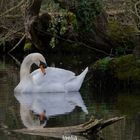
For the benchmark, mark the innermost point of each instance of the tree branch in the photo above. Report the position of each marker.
(13, 8)
(136, 9)
(76, 42)
(33, 8)
(93, 126)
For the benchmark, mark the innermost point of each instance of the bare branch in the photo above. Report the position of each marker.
(13, 8)
(15, 59)
(93, 126)
(136, 9)
(13, 32)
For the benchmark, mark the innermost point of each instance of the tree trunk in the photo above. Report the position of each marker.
(36, 25)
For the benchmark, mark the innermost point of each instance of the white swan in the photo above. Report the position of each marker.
(55, 79)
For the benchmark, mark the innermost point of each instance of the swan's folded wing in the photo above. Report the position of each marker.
(53, 75)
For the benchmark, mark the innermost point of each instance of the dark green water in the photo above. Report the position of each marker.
(101, 104)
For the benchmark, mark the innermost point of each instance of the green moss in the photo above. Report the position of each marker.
(102, 64)
(116, 30)
(126, 68)
(27, 46)
(123, 35)
(123, 67)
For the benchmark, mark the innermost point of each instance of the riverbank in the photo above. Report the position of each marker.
(123, 71)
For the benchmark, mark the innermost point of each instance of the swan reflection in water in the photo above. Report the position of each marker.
(45, 105)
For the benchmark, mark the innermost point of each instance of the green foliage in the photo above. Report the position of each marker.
(57, 27)
(52, 42)
(87, 11)
(123, 67)
(102, 64)
(123, 35)
(61, 23)
(58, 24)
(50, 6)
(120, 51)
(64, 21)
(27, 46)
(71, 20)
(126, 67)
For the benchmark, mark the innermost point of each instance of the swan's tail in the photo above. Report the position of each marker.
(80, 78)
(75, 84)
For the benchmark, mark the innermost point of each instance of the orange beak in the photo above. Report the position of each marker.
(42, 69)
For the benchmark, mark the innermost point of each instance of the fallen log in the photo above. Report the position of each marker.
(93, 126)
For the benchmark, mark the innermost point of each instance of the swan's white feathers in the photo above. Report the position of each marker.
(53, 75)
(55, 80)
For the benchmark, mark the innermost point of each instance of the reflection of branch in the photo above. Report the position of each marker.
(17, 43)
(16, 60)
(13, 8)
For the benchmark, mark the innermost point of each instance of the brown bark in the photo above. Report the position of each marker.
(31, 15)
(36, 25)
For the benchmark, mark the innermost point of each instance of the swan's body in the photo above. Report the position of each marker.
(55, 79)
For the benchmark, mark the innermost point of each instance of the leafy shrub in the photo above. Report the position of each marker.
(87, 11)
(103, 64)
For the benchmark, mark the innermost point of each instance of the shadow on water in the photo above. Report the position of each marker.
(101, 104)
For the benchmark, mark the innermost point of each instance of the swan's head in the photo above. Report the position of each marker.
(42, 117)
(39, 60)
(33, 58)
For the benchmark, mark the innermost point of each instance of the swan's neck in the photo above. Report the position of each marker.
(25, 68)
(27, 118)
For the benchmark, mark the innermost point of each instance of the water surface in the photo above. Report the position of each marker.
(101, 104)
